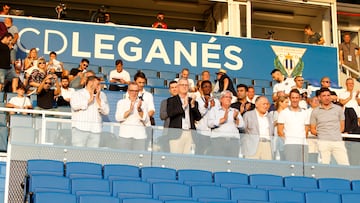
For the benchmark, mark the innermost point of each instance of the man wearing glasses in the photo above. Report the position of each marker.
(183, 112)
(77, 74)
(325, 83)
(46, 95)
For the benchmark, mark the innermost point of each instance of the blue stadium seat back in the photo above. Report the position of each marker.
(156, 82)
(307, 189)
(245, 81)
(131, 186)
(54, 197)
(181, 201)
(98, 199)
(2, 184)
(210, 192)
(259, 90)
(261, 83)
(90, 185)
(2, 95)
(161, 92)
(45, 167)
(334, 183)
(141, 200)
(268, 90)
(33, 99)
(19, 120)
(355, 185)
(300, 182)
(248, 193)
(231, 178)
(132, 72)
(167, 75)
(171, 197)
(2, 169)
(4, 134)
(350, 197)
(170, 189)
(49, 183)
(206, 200)
(121, 170)
(69, 66)
(286, 196)
(256, 201)
(266, 180)
(314, 82)
(193, 175)
(316, 197)
(83, 169)
(150, 73)
(3, 119)
(157, 173)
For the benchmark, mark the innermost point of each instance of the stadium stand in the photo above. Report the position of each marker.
(48, 183)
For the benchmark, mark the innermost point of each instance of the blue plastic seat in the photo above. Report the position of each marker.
(121, 171)
(98, 199)
(158, 174)
(193, 177)
(355, 185)
(49, 183)
(83, 170)
(286, 196)
(249, 194)
(350, 198)
(131, 189)
(266, 180)
(231, 179)
(156, 82)
(161, 91)
(204, 192)
(334, 183)
(261, 83)
(150, 73)
(316, 197)
(141, 200)
(80, 186)
(181, 201)
(166, 190)
(45, 167)
(300, 182)
(54, 197)
(167, 75)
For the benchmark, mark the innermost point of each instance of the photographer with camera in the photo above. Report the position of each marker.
(46, 94)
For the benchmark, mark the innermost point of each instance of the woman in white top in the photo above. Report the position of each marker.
(278, 148)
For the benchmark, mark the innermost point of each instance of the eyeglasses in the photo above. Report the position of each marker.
(300, 80)
(41, 63)
(326, 81)
(47, 83)
(86, 65)
(185, 85)
(133, 90)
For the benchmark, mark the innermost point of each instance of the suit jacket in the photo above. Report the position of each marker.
(250, 140)
(176, 112)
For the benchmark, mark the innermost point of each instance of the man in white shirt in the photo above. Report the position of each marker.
(225, 123)
(87, 107)
(350, 97)
(132, 115)
(293, 126)
(206, 103)
(259, 130)
(65, 92)
(283, 84)
(185, 74)
(119, 76)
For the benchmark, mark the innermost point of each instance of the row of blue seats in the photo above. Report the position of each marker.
(168, 192)
(187, 176)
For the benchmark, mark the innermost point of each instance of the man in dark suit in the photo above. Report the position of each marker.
(183, 112)
(259, 130)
